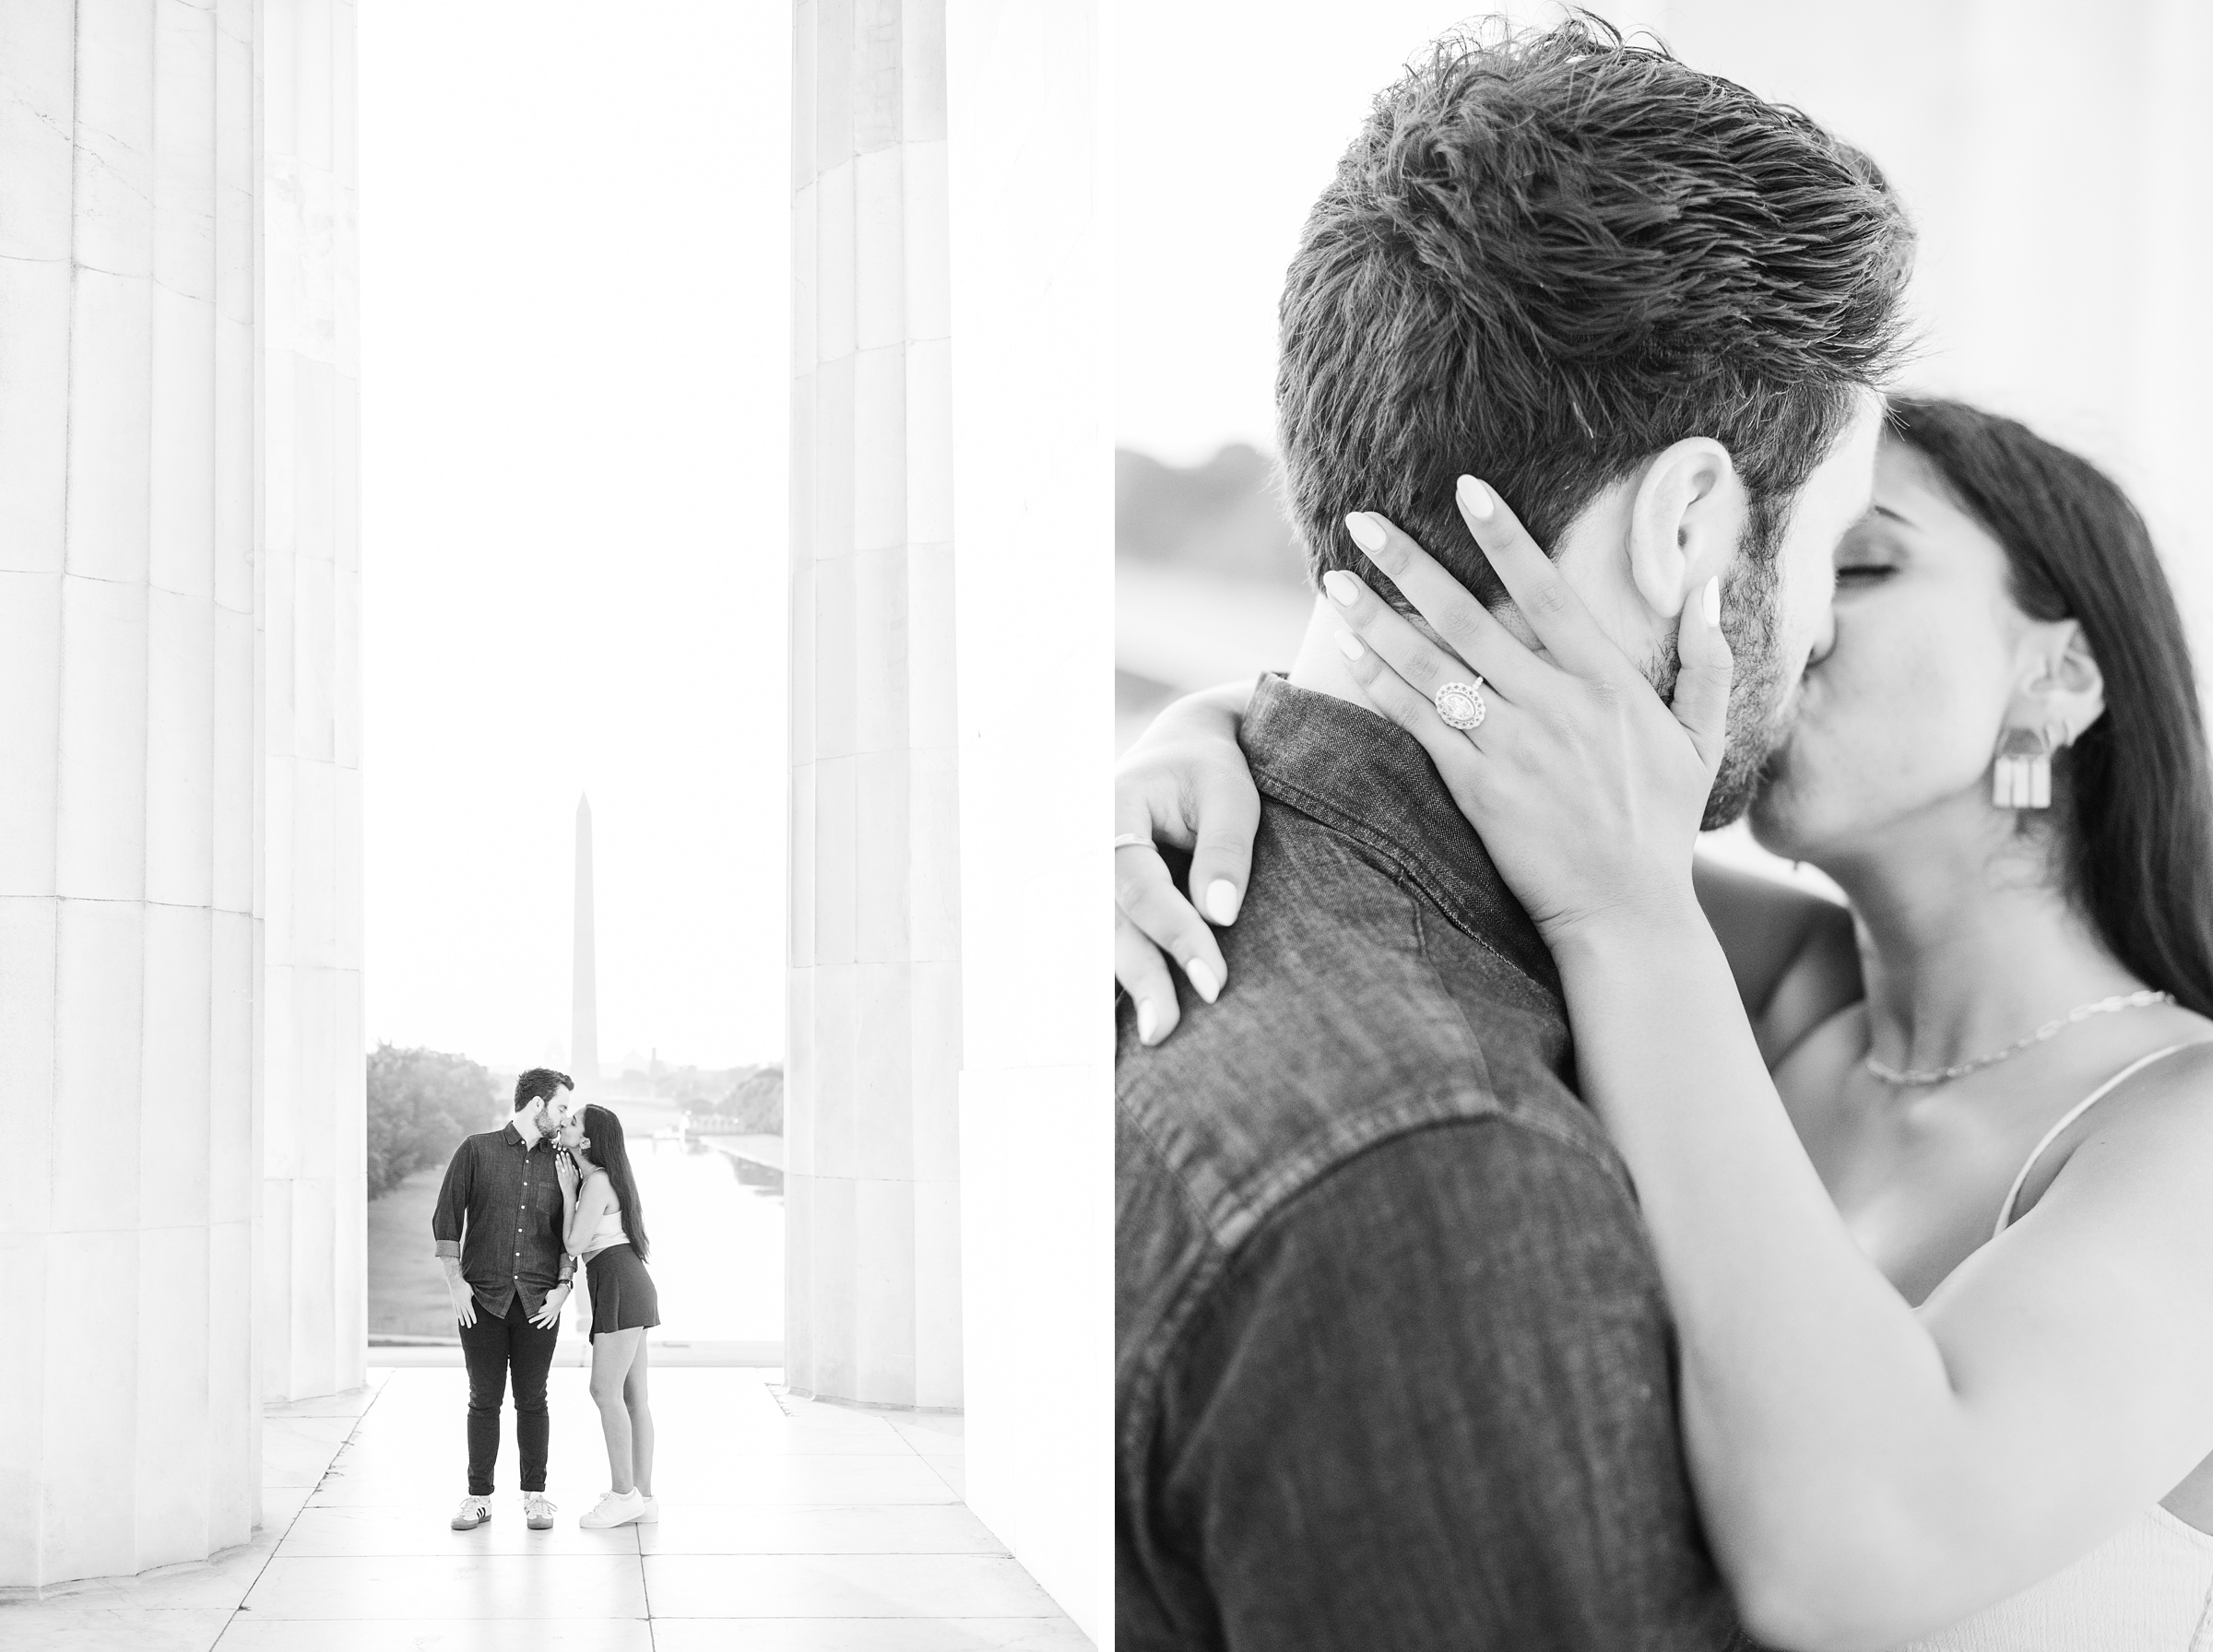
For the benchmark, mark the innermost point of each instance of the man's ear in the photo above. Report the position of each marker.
(2059, 684)
(1686, 520)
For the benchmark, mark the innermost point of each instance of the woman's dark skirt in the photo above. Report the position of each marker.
(622, 1293)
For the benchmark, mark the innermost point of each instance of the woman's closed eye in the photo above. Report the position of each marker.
(1864, 573)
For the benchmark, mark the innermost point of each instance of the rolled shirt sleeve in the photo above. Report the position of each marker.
(449, 1215)
(1431, 1404)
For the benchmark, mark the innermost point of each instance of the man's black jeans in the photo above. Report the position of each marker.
(491, 1347)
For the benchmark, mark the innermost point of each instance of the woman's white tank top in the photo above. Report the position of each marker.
(609, 1231)
(2146, 1589)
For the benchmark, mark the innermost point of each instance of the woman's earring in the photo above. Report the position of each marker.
(2022, 777)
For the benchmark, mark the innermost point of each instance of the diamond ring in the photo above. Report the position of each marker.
(1461, 704)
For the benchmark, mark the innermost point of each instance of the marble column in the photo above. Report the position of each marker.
(128, 933)
(873, 1297)
(313, 1190)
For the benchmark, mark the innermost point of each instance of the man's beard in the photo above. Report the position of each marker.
(1751, 621)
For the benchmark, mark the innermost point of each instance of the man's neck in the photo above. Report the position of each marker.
(1320, 668)
(526, 1128)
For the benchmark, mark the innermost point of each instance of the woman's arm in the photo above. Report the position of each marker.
(1792, 954)
(1868, 1472)
(594, 1198)
(1185, 782)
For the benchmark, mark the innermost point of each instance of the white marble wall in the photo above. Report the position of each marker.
(873, 1300)
(1034, 483)
(314, 1202)
(128, 933)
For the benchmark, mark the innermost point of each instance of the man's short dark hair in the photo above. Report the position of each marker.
(539, 1084)
(1548, 255)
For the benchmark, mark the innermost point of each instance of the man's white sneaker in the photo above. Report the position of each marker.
(538, 1514)
(473, 1512)
(651, 1514)
(617, 1508)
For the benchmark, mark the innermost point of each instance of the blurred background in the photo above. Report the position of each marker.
(574, 296)
(2057, 160)
(575, 274)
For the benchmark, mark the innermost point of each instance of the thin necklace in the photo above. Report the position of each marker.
(1959, 1069)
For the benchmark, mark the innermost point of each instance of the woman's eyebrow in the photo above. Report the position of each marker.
(1897, 516)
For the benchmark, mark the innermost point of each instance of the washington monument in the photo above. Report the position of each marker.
(584, 1018)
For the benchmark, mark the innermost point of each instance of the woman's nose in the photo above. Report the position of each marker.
(1825, 634)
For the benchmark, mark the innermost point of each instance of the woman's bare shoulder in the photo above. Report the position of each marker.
(2172, 1096)
(2154, 1130)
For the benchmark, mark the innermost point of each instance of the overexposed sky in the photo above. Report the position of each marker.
(1231, 117)
(574, 379)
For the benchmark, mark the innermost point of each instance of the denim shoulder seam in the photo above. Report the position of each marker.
(1465, 1090)
(1535, 1122)
(1221, 1252)
(1324, 813)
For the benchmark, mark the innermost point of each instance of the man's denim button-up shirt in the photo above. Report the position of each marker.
(1393, 1367)
(499, 1210)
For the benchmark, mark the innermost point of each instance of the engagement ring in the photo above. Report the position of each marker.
(1133, 839)
(1461, 704)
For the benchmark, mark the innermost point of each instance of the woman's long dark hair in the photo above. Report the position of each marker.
(2132, 796)
(606, 1148)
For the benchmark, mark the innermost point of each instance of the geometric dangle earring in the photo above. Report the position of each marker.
(2022, 776)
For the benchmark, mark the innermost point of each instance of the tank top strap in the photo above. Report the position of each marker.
(2036, 1153)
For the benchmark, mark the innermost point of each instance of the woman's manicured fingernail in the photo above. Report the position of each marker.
(1476, 499)
(1349, 645)
(1710, 600)
(1148, 1021)
(1367, 532)
(1221, 901)
(1343, 589)
(1202, 976)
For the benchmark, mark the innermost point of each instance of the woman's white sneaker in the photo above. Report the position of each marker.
(617, 1508)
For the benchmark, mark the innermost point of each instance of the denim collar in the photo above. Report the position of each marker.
(1364, 776)
(515, 1137)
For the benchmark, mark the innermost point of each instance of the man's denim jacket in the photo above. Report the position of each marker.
(1393, 1367)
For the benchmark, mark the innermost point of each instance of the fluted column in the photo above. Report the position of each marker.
(872, 1309)
(127, 930)
(313, 1193)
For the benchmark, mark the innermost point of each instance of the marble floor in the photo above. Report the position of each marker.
(787, 1526)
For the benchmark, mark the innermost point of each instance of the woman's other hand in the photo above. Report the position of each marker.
(1185, 783)
(1587, 789)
